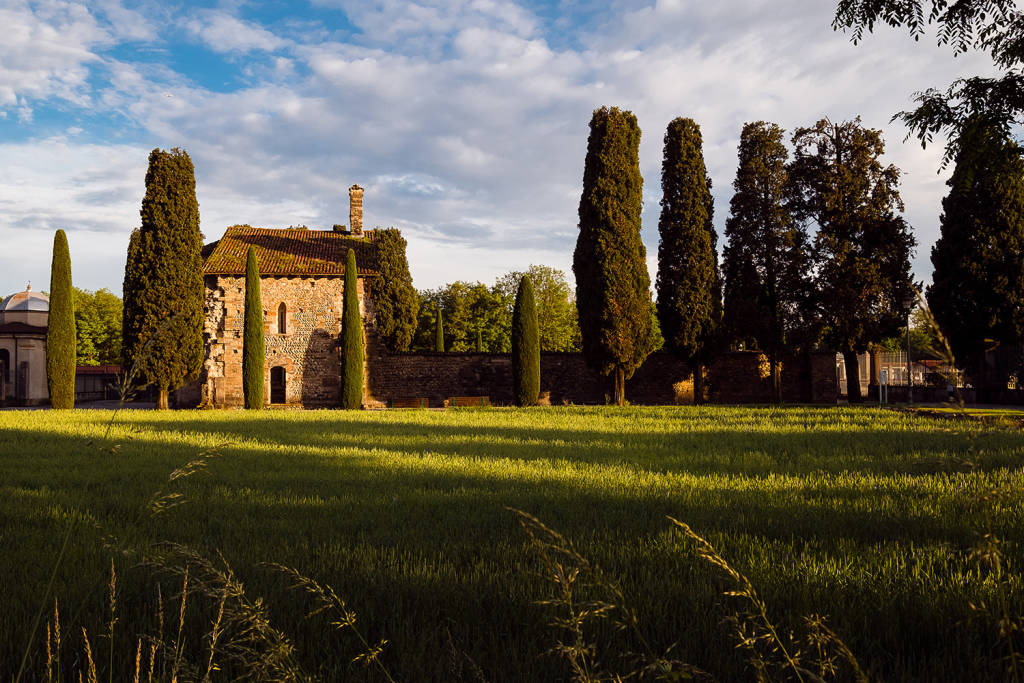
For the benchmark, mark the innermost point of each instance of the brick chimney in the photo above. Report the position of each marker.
(355, 210)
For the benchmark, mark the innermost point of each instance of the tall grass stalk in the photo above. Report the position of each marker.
(328, 601)
(45, 601)
(113, 619)
(568, 571)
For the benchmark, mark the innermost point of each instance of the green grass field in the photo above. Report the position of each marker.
(865, 516)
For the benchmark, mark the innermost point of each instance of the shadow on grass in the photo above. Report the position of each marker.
(409, 520)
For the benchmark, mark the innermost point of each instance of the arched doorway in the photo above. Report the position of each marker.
(278, 385)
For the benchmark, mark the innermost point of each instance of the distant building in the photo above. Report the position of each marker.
(23, 321)
(302, 275)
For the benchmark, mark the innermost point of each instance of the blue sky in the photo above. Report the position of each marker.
(466, 121)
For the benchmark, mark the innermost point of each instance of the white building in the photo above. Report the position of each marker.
(23, 321)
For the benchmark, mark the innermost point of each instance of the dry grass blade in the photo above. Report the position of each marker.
(569, 571)
(745, 590)
(138, 662)
(328, 601)
(244, 632)
(161, 502)
(91, 665)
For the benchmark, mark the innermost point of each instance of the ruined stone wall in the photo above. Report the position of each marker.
(740, 377)
(307, 349)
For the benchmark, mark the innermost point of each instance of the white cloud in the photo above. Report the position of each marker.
(223, 32)
(465, 121)
(47, 51)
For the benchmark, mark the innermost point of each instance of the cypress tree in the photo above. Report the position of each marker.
(351, 339)
(863, 247)
(60, 332)
(438, 332)
(479, 339)
(525, 347)
(396, 304)
(977, 291)
(688, 283)
(610, 262)
(253, 341)
(766, 258)
(163, 285)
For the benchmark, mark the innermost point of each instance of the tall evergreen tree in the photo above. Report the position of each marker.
(439, 332)
(396, 304)
(766, 259)
(351, 339)
(253, 340)
(610, 262)
(688, 283)
(977, 292)
(60, 332)
(863, 247)
(163, 284)
(525, 347)
(479, 339)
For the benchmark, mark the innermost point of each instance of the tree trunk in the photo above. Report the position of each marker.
(698, 383)
(620, 387)
(852, 377)
(773, 368)
(161, 399)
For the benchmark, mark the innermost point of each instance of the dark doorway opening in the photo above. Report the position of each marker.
(5, 378)
(277, 385)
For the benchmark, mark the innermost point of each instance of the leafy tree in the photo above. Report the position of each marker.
(97, 327)
(766, 258)
(862, 248)
(995, 26)
(525, 347)
(466, 307)
(439, 332)
(610, 262)
(657, 340)
(923, 341)
(163, 283)
(977, 291)
(688, 284)
(556, 305)
(253, 340)
(351, 339)
(60, 331)
(396, 304)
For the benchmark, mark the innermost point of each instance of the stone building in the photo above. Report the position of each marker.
(23, 320)
(301, 287)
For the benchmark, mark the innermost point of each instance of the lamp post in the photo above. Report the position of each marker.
(908, 303)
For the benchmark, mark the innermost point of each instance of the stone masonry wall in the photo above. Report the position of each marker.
(740, 377)
(307, 350)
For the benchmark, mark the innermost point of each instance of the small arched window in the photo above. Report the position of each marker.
(282, 319)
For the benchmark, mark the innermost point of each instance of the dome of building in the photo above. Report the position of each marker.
(26, 301)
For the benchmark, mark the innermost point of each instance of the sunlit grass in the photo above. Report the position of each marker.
(863, 515)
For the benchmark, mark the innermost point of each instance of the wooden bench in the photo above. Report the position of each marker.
(469, 401)
(408, 403)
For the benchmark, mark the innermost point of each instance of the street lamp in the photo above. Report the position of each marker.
(908, 302)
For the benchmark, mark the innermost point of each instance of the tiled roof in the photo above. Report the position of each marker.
(290, 252)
